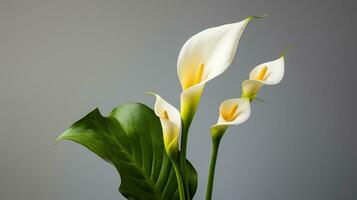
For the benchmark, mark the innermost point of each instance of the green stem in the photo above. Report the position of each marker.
(184, 136)
(179, 180)
(215, 147)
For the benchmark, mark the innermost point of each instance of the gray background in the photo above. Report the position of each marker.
(61, 59)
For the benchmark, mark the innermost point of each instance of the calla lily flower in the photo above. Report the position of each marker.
(270, 73)
(203, 57)
(231, 112)
(171, 123)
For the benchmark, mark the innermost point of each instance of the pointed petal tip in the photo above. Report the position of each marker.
(257, 17)
(153, 94)
(284, 51)
(150, 93)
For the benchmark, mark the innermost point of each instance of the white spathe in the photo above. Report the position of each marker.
(203, 57)
(274, 73)
(170, 121)
(233, 112)
(269, 73)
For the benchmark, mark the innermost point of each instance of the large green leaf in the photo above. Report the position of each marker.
(131, 140)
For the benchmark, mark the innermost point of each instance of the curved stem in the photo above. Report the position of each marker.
(215, 147)
(184, 136)
(179, 180)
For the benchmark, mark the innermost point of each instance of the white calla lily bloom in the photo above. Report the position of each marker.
(231, 112)
(269, 73)
(203, 57)
(170, 122)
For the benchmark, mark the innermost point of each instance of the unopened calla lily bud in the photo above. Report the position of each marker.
(170, 122)
(270, 73)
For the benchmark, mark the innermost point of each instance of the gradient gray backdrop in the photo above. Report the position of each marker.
(61, 59)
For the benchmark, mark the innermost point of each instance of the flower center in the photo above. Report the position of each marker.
(199, 73)
(165, 115)
(261, 74)
(231, 114)
(197, 77)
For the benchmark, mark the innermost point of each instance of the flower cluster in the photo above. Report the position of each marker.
(203, 57)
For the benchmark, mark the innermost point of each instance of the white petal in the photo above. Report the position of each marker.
(251, 87)
(243, 111)
(161, 106)
(274, 73)
(213, 47)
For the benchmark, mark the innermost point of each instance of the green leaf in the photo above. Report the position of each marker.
(131, 140)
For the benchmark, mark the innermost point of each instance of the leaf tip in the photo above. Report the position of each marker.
(60, 137)
(65, 135)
